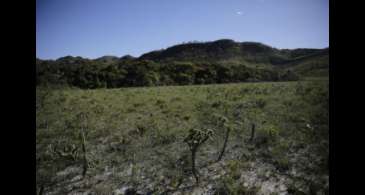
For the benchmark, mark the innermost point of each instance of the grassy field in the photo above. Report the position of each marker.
(131, 140)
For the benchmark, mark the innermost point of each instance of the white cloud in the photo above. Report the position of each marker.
(239, 13)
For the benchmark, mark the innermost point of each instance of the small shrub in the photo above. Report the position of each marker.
(234, 168)
(196, 138)
(279, 156)
(262, 139)
(141, 129)
(223, 122)
(282, 163)
(176, 99)
(229, 186)
(292, 189)
(160, 102)
(216, 104)
(260, 103)
(136, 105)
(186, 117)
(131, 110)
(166, 138)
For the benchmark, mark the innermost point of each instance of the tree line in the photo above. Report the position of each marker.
(91, 74)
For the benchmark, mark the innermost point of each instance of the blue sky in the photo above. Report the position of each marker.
(93, 28)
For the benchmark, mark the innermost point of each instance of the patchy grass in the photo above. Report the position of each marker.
(145, 127)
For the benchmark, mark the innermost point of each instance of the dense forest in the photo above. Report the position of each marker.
(222, 61)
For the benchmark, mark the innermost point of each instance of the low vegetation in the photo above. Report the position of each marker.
(244, 138)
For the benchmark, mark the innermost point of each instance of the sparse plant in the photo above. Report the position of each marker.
(234, 167)
(272, 130)
(253, 127)
(231, 186)
(196, 138)
(82, 117)
(224, 123)
(279, 156)
(254, 113)
(69, 152)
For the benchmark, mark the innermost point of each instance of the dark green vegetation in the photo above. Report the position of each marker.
(131, 140)
(222, 61)
(196, 138)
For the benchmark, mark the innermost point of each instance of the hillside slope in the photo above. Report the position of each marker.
(226, 49)
(221, 61)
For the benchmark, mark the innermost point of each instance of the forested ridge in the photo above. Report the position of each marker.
(221, 61)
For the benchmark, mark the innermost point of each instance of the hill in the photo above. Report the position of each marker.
(221, 61)
(226, 49)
